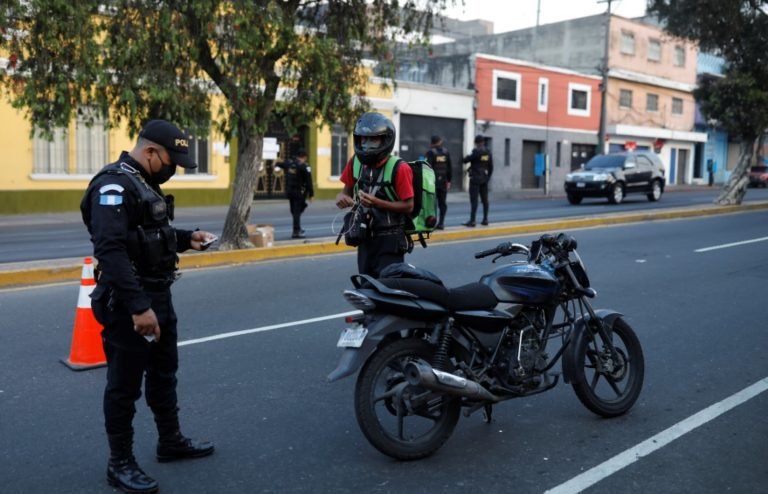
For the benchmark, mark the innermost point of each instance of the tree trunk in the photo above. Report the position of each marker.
(734, 190)
(235, 234)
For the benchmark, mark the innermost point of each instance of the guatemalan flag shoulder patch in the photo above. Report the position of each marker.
(111, 199)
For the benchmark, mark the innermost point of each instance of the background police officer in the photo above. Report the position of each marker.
(386, 242)
(440, 160)
(298, 187)
(480, 171)
(136, 246)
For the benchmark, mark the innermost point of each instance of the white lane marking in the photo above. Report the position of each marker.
(232, 334)
(734, 244)
(609, 467)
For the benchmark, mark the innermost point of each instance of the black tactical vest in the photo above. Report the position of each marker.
(152, 241)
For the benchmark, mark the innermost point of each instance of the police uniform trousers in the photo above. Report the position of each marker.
(131, 359)
(476, 189)
(298, 205)
(380, 250)
(441, 191)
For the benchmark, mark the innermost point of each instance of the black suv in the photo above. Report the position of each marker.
(615, 175)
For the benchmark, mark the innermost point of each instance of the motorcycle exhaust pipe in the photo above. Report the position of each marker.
(422, 374)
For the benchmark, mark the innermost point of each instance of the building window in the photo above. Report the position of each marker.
(198, 148)
(91, 144)
(543, 93)
(625, 98)
(579, 99)
(652, 102)
(627, 43)
(679, 56)
(52, 157)
(654, 50)
(677, 106)
(339, 152)
(506, 89)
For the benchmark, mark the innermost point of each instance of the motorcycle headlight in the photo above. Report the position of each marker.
(358, 300)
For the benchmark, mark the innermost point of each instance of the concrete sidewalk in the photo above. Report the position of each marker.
(69, 270)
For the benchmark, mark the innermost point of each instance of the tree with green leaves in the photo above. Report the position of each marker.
(736, 30)
(127, 61)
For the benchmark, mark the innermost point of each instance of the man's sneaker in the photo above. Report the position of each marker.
(469, 223)
(298, 234)
(440, 227)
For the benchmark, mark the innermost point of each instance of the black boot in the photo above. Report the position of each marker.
(485, 221)
(298, 234)
(122, 471)
(178, 447)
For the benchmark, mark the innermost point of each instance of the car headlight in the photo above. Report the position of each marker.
(602, 177)
(569, 177)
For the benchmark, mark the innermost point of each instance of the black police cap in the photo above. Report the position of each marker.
(174, 141)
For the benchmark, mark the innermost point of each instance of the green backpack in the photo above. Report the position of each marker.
(423, 218)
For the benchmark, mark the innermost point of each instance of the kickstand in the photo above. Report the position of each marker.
(487, 413)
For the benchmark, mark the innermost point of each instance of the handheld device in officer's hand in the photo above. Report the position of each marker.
(208, 243)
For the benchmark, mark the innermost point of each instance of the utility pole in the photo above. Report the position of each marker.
(604, 82)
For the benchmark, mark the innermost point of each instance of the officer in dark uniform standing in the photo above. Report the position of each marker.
(129, 219)
(298, 187)
(480, 171)
(440, 161)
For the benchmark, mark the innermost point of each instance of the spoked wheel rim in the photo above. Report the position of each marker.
(405, 413)
(617, 193)
(656, 191)
(610, 373)
(403, 421)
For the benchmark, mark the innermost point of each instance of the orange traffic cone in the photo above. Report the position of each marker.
(87, 351)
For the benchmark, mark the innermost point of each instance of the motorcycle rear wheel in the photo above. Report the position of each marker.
(402, 421)
(607, 386)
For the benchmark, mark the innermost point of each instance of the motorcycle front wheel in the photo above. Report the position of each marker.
(609, 383)
(402, 421)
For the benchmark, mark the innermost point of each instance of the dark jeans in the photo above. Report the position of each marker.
(474, 190)
(442, 206)
(298, 205)
(130, 357)
(378, 252)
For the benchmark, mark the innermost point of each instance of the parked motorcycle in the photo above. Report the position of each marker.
(428, 351)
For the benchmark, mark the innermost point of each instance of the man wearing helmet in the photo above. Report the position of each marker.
(365, 188)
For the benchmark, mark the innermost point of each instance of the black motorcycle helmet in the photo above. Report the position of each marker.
(374, 124)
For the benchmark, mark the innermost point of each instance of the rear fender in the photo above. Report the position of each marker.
(353, 358)
(579, 332)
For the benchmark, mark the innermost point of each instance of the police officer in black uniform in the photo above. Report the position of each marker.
(129, 219)
(480, 171)
(440, 161)
(298, 187)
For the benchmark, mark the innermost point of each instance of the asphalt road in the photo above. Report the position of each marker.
(259, 339)
(55, 236)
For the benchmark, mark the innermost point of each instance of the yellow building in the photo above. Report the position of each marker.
(37, 175)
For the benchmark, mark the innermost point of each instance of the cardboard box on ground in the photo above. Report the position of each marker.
(261, 235)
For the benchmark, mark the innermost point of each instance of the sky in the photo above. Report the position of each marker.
(508, 15)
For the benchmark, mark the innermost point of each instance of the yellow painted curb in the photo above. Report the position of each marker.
(35, 276)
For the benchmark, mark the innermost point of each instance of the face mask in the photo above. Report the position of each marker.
(165, 174)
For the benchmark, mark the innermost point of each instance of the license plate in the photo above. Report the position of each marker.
(352, 337)
(580, 184)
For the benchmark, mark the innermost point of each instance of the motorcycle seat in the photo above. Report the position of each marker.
(472, 296)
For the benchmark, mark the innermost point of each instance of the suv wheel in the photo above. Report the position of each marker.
(655, 193)
(617, 194)
(574, 199)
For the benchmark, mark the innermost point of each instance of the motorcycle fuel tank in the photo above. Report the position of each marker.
(522, 283)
